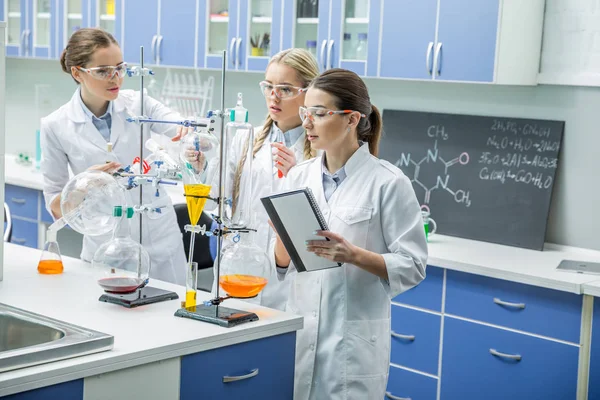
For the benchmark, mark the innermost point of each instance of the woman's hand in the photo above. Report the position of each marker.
(336, 249)
(109, 167)
(282, 258)
(283, 157)
(181, 132)
(196, 158)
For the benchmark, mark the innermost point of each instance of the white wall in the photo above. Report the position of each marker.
(574, 212)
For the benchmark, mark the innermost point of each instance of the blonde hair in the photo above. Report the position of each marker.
(307, 69)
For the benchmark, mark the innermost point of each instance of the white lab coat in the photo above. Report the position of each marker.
(264, 182)
(343, 351)
(70, 139)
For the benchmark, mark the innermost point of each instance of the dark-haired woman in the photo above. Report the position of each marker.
(376, 231)
(76, 136)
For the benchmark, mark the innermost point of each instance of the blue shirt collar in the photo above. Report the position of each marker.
(291, 136)
(91, 115)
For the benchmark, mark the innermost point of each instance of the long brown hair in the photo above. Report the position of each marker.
(82, 45)
(351, 93)
(306, 67)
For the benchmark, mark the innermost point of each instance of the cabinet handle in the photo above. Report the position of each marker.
(231, 52)
(404, 337)
(507, 304)
(29, 41)
(252, 374)
(329, 50)
(323, 60)
(18, 241)
(154, 39)
(159, 48)
(238, 44)
(23, 35)
(436, 58)
(428, 58)
(17, 201)
(496, 353)
(392, 397)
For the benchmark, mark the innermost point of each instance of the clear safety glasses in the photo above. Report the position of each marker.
(317, 113)
(106, 73)
(283, 92)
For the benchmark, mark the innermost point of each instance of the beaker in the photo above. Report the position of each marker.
(427, 221)
(50, 260)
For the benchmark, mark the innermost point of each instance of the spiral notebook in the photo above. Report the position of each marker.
(296, 215)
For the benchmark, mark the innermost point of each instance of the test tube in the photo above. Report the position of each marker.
(190, 284)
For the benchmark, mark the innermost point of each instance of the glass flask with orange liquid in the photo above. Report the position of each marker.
(50, 261)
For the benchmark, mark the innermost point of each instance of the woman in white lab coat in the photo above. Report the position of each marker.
(76, 136)
(376, 231)
(279, 144)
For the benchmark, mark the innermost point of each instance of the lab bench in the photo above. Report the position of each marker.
(491, 41)
(155, 355)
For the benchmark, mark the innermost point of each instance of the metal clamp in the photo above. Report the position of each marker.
(403, 337)
(515, 357)
(252, 374)
(508, 304)
(428, 65)
(392, 397)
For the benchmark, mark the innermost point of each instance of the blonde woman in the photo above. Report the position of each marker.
(280, 143)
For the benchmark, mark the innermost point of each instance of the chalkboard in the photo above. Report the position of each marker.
(483, 178)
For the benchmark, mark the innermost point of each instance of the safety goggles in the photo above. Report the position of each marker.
(106, 73)
(317, 113)
(283, 92)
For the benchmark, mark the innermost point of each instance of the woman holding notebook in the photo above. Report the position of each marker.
(375, 230)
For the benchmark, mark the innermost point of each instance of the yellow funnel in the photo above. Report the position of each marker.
(195, 204)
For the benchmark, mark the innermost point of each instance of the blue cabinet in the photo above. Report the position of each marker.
(72, 390)
(260, 369)
(428, 293)
(466, 41)
(140, 29)
(177, 34)
(408, 39)
(482, 362)
(24, 233)
(453, 40)
(403, 384)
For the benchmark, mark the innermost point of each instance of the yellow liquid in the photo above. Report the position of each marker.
(195, 205)
(190, 298)
(50, 267)
(242, 286)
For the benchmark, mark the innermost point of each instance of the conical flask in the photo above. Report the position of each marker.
(50, 261)
(122, 264)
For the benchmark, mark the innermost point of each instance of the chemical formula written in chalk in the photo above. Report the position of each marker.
(435, 162)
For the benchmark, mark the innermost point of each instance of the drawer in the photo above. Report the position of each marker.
(545, 370)
(72, 390)
(24, 233)
(23, 202)
(428, 293)
(528, 308)
(405, 385)
(267, 364)
(594, 381)
(415, 339)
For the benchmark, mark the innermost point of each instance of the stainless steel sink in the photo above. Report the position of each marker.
(28, 339)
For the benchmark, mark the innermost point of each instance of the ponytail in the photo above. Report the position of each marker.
(371, 131)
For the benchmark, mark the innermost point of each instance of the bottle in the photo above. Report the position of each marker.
(50, 260)
(348, 47)
(311, 46)
(361, 48)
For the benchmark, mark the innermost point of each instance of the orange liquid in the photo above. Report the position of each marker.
(243, 286)
(195, 205)
(50, 267)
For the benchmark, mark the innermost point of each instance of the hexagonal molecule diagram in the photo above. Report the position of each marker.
(432, 172)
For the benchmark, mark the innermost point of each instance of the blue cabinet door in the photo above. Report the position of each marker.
(259, 369)
(407, 41)
(594, 381)
(483, 362)
(242, 35)
(177, 40)
(323, 34)
(140, 26)
(18, 46)
(466, 47)
(72, 390)
(403, 384)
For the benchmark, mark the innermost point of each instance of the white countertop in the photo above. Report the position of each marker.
(141, 335)
(497, 261)
(592, 288)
